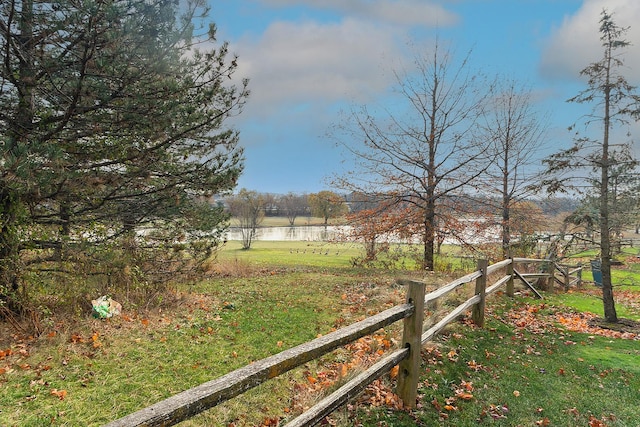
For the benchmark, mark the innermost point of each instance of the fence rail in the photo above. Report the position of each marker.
(189, 403)
(570, 275)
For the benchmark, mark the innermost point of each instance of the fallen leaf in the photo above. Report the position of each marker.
(464, 396)
(474, 365)
(394, 371)
(436, 404)
(60, 394)
(594, 422)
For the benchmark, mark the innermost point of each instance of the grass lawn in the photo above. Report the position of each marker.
(522, 369)
(291, 254)
(529, 366)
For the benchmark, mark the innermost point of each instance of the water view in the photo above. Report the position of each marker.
(311, 233)
(320, 233)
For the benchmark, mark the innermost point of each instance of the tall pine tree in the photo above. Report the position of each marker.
(112, 118)
(614, 102)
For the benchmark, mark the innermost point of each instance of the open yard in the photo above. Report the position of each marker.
(537, 362)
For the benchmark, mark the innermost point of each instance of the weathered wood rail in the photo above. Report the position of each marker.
(565, 275)
(189, 403)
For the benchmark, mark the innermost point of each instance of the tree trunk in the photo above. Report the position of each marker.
(506, 213)
(9, 247)
(605, 233)
(429, 236)
(64, 230)
(18, 137)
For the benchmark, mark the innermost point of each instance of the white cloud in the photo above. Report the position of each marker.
(319, 63)
(576, 42)
(296, 62)
(397, 12)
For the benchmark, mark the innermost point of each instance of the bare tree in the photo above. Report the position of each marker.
(247, 208)
(516, 132)
(292, 205)
(327, 205)
(421, 153)
(615, 101)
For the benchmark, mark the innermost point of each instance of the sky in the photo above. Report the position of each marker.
(309, 61)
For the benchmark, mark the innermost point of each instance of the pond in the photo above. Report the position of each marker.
(311, 233)
(320, 233)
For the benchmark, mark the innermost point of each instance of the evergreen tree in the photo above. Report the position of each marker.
(112, 117)
(615, 102)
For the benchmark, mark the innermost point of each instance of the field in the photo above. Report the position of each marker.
(537, 362)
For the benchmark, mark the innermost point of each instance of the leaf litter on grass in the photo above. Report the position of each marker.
(533, 317)
(536, 334)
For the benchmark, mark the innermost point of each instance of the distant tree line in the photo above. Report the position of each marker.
(371, 218)
(248, 208)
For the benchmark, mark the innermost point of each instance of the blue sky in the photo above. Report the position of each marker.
(308, 60)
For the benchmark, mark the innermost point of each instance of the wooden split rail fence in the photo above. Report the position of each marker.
(189, 403)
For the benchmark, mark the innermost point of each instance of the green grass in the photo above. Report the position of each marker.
(334, 255)
(280, 294)
(292, 254)
(592, 303)
(138, 361)
(522, 377)
(627, 279)
(621, 278)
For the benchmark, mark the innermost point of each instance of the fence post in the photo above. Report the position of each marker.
(579, 273)
(565, 273)
(481, 286)
(409, 369)
(510, 290)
